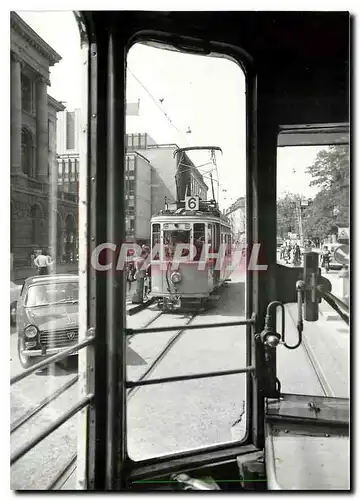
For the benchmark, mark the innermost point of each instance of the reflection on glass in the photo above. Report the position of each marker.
(46, 97)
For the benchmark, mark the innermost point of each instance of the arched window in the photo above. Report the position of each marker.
(27, 152)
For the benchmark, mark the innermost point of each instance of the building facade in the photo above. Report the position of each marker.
(237, 214)
(162, 158)
(42, 217)
(67, 148)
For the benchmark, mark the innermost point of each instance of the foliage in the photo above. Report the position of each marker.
(286, 214)
(330, 207)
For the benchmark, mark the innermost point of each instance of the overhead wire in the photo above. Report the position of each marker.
(212, 154)
(157, 104)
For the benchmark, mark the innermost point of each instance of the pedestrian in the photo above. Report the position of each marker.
(42, 262)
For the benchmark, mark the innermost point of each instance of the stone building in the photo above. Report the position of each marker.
(67, 149)
(237, 214)
(42, 216)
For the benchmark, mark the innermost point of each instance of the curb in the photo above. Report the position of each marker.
(330, 316)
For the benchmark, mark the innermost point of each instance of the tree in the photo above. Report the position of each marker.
(286, 214)
(330, 207)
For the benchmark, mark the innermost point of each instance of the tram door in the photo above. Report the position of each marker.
(219, 259)
(211, 259)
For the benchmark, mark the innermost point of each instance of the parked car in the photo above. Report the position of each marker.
(47, 317)
(14, 297)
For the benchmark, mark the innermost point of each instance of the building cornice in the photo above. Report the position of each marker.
(33, 39)
(57, 105)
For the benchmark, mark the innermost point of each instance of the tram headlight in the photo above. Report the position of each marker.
(176, 277)
(31, 332)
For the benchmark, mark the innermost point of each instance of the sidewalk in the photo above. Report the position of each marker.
(20, 274)
(327, 344)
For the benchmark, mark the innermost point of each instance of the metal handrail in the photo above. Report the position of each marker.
(132, 331)
(337, 309)
(335, 302)
(33, 411)
(52, 359)
(165, 380)
(338, 301)
(51, 428)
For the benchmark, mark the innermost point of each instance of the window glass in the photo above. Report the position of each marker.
(47, 91)
(199, 240)
(175, 114)
(27, 93)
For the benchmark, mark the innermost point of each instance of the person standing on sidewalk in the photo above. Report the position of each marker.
(42, 262)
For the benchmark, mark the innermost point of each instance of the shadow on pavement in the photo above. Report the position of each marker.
(133, 358)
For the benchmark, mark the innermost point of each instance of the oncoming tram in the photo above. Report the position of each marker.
(191, 255)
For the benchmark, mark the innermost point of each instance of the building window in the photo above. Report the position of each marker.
(70, 130)
(27, 152)
(131, 185)
(131, 163)
(27, 93)
(72, 171)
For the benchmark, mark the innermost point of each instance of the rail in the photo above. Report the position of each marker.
(132, 331)
(85, 401)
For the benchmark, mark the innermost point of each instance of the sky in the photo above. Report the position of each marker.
(177, 92)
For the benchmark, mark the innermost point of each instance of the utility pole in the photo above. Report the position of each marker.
(298, 205)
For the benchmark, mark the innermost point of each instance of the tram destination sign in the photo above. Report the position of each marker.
(341, 255)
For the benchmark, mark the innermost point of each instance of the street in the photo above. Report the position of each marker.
(165, 418)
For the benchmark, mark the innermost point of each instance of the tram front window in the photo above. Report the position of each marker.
(178, 416)
(199, 240)
(172, 239)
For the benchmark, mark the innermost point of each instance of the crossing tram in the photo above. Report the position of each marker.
(296, 66)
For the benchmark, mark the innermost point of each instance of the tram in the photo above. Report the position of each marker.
(297, 83)
(191, 247)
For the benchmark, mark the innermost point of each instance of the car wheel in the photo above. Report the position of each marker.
(26, 361)
(13, 314)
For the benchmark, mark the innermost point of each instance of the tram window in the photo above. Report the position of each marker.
(43, 41)
(210, 237)
(156, 239)
(199, 239)
(217, 238)
(176, 417)
(313, 197)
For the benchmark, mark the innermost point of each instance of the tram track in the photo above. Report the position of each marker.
(170, 344)
(319, 373)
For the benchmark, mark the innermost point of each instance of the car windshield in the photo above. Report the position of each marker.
(52, 293)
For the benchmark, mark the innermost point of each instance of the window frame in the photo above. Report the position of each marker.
(108, 59)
